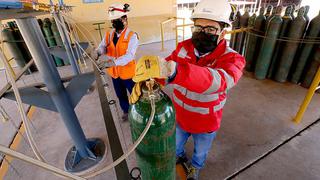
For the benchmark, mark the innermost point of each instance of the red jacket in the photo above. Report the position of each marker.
(201, 86)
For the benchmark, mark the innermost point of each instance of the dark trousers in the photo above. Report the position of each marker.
(121, 86)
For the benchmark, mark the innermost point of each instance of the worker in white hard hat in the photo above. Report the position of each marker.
(202, 70)
(116, 53)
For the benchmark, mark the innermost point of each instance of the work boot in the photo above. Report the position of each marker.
(193, 173)
(183, 160)
(124, 117)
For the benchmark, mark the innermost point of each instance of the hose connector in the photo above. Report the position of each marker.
(150, 84)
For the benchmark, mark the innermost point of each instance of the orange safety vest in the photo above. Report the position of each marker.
(127, 71)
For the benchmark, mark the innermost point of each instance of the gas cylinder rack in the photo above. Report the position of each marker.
(279, 47)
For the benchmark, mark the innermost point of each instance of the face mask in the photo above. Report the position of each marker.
(204, 42)
(118, 24)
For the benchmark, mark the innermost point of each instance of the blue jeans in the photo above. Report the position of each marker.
(202, 145)
(121, 86)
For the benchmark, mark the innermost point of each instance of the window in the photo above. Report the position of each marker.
(185, 5)
(191, 5)
(179, 6)
(92, 1)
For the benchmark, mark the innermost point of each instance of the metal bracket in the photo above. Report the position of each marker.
(61, 52)
(79, 86)
(35, 96)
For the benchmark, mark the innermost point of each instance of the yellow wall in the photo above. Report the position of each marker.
(145, 17)
(98, 11)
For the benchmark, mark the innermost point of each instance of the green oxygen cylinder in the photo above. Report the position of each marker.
(244, 20)
(40, 22)
(300, 48)
(274, 11)
(306, 16)
(293, 10)
(249, 36)
(50, 39)
(57, 38)
(254, 45)
(156, 153)
(269, 11)
(312, 70)
(268, 45)
(296, 31)
(22, 46)
(11, 43)
(286, 20)
(235, 36)
(302, 60)
(19, 41)
(232, 19)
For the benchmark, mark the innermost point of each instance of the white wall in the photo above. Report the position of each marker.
(314, 7)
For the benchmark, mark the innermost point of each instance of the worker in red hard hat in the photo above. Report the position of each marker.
(202, 69)
(117, 51)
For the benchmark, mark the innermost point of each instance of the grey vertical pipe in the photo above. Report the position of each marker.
(32, 34)
(67, 44)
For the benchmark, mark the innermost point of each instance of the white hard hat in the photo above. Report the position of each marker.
(216, 10)
(118, 10)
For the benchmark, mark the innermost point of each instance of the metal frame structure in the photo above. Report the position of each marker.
(86, 152)
(176, 28)
(60, 96)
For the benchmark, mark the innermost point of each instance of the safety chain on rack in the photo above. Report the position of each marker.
(257, 33)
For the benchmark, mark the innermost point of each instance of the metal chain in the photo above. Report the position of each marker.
(258, 33)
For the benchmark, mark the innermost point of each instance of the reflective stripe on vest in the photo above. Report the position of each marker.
(229, 79)
(183, 53)
(216, 82)
(196, 96)
(127, 34)
(229, 50)
(113, 32)
(220, 106)
(199, 110)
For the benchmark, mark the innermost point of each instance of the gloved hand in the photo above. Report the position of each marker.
(105, 61)
(153, 67)
(136, 93)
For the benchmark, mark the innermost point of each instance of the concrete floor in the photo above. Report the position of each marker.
(257, 118)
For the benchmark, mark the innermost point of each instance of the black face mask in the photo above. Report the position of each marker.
(118, 24)
(204, 42)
